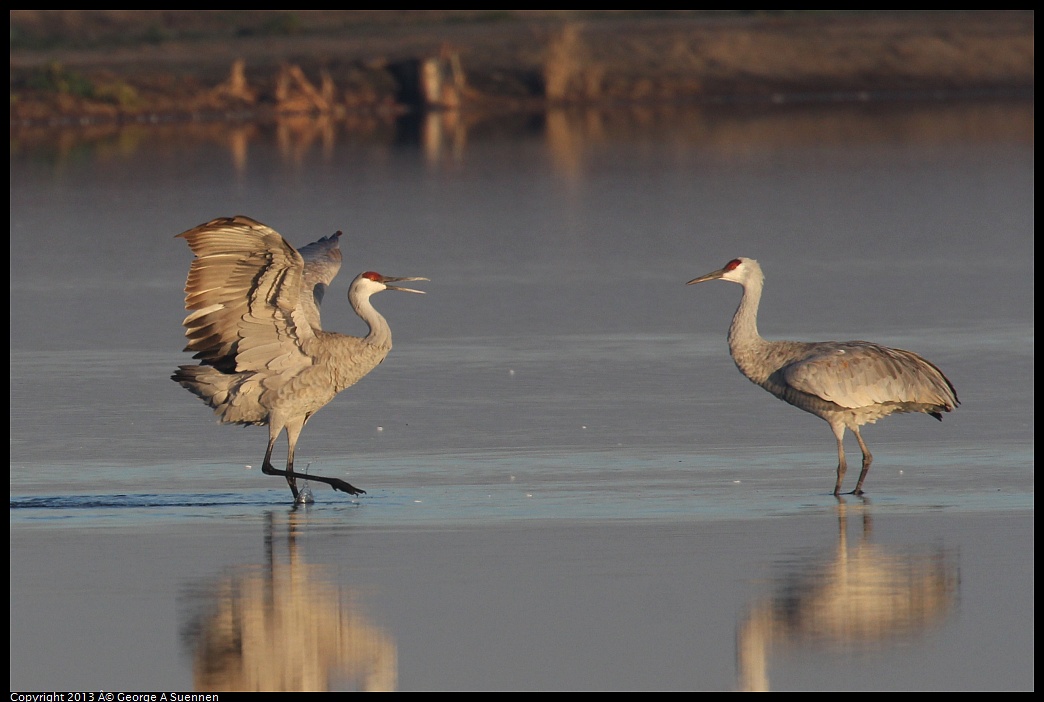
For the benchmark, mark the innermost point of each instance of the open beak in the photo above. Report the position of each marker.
(387, 280)
(710, 276)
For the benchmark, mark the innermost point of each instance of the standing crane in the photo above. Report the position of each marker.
(253, 323)
(846, 383)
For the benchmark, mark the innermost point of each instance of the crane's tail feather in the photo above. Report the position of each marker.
(224, 392)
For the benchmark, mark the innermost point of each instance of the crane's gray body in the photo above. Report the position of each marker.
(846, 383)
(254, 325)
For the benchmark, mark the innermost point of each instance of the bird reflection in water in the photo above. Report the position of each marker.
(867, 597)
(285, 626)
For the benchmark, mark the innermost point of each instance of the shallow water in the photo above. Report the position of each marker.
(569, 485)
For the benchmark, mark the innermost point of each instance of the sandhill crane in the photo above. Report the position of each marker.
(253, 323)
(846, 383)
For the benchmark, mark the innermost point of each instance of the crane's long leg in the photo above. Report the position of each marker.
(867, 460)
(268, 469)
(291, 477)
(293, 431)
(842, 465)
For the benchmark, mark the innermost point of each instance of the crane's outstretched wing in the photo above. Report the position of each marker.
(322, 261)
(243, 293)
(859, 373)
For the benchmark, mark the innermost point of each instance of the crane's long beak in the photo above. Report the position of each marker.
(710, 276)
(388, 279)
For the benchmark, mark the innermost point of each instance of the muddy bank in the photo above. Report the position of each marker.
(344, 63)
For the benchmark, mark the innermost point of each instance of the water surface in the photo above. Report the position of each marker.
(569, 485)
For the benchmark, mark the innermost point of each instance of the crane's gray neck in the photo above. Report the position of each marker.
(745, 344)
(380, 332)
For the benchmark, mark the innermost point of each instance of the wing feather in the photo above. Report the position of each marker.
(243, 294)
(858, 374)
(322, 261)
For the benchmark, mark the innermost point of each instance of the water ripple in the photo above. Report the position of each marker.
(63, 502)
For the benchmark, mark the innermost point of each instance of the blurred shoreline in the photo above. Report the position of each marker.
(113, 67)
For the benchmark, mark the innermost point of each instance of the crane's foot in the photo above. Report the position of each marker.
(291, 478)
(338, 484)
